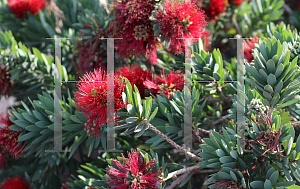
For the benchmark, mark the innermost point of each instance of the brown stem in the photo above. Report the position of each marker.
(178, 181)
(189, 154)
(181, 171)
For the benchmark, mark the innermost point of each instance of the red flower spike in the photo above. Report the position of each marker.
(249, 45)
(9, 141)
(34, 6)
(215, 8)
(20, 7)
(15, 182)
(136, 29)
(166, 84)
(298, 6)
(134, 173)
(244, 171)
(180, 20)
(91, 98)
(136, 76)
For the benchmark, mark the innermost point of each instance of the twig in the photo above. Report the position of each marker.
(217, 99)
(236, 25)
(199, 137)
(209, 171)
(205, 131)
(181, 171)
(189, 154)
(178, 181)
(295, 124)
(287, 8)
(104, 3)
(221, 119)
(44, 172)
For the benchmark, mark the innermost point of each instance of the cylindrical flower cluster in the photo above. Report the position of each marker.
(256, 106)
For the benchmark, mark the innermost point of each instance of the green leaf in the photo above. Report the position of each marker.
(288, 103)
(289, 146)
(273, 178)
(268, 88)
(257, 184)
(278, 87)
(233, 176)
(27, 136)
(271, 80)
(267, 184)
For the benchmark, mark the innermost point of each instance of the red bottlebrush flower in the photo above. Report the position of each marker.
(91, 52)
(15, 182)
(134, 173)
(215, 8)
(244, 171)
(249, 45)
(237, 2)
(91, 98)
(180, 20)
(64, 186)
(136, 76)
(5, 84)
(138, 40)
(34, 6)
(167, 85)
(9, 140)
(132, 23)
(20, 7)
(298, 6)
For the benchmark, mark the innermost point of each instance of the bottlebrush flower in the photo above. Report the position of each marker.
(20, 7)
(9, 140)
(166, 84)
(134, 173)
(5, 84)
(136, 76)
(249, 45)
(180, 20)
(215, 8)
(34, 6)
(132, 23)
(91, 98)
(298, 5)
(15, 182)
(91, 53)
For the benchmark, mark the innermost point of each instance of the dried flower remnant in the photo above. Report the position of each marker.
(15, 182)
(180, 20)
(134, 173)
(269, 139)
(91, 98)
